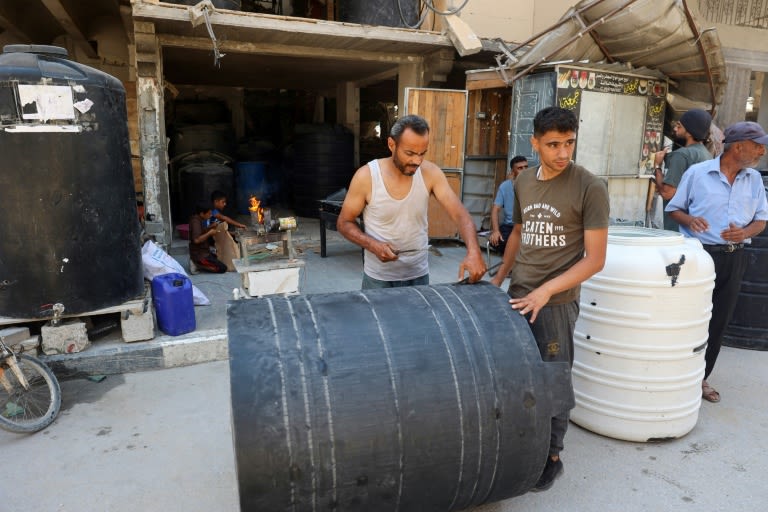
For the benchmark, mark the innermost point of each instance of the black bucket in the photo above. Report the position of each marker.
(420, 398)
(749, 326)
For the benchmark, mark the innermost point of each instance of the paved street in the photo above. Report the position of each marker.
(161, 441)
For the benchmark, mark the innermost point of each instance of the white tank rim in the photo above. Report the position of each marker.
(635, 235)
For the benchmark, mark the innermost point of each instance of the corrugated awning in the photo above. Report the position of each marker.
(655, 34)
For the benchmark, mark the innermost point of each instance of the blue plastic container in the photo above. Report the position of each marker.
(175, 309)
(250, 180)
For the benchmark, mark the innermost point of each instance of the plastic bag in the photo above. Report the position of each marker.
(157, 262)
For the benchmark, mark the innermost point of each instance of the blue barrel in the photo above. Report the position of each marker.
(250, 180)
(172, 294)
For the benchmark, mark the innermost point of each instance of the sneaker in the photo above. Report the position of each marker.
(552, 470)
(193, 268)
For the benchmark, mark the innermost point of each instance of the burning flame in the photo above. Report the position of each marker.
(257, 209)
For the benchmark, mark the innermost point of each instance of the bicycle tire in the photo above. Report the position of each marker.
(27, 411)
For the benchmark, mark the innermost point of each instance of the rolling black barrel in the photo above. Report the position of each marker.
(70, 232)
(749, 325)
(428, 398)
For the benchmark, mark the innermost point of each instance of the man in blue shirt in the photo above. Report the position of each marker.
(722, 202)
(505, 198)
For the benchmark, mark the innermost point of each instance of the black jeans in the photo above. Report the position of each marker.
(729, 272)
(553, 330)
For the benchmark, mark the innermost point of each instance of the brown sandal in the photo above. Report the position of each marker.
(709, 393)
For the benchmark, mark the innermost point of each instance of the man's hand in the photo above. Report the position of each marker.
(734, 234)
(495, 237)
(698, 224)
(531, 303)
(383, 251)
(474, 264)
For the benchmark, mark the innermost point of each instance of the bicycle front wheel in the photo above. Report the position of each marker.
(29, 410)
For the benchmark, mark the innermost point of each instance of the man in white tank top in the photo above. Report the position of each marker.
(392, 194)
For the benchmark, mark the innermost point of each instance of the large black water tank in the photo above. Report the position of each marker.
(749, 326)
(323, 162)
(388, 13)
(199, 181)
(195, 138)
(70, 232)
(426, 398)
(232, 5)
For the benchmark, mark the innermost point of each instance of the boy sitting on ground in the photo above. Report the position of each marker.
(200, 257)
(219, 202)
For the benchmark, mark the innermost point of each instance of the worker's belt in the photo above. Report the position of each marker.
(723, 247)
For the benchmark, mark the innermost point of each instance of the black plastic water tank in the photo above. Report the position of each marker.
(70, 232)
(190, 139)
(323, 162)
(388, 13)
(233, 5)
(749, 326)
(198, 181)
(413, 399)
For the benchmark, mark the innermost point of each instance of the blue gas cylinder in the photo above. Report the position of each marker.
(175, 309)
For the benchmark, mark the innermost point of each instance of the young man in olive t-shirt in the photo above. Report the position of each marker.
(559, 241)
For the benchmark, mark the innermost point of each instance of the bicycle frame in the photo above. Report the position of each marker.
(9, 358)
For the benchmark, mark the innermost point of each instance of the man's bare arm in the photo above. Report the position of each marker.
(353, 206)
(510, 253)
(473, 261)
(495, 237)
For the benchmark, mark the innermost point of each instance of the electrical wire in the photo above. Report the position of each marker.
(405, 22)
(430, 6)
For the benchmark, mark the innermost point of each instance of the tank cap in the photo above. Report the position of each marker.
(54, 51)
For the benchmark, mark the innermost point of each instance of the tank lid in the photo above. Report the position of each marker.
(54, 51)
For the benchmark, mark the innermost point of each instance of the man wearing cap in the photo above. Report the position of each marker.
(722, 203)
(693, 128)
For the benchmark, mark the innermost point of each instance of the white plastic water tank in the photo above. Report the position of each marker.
(641, 335)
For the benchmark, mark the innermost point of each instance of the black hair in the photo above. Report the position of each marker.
(416, 123)
(217, 194)
(516, 160)
(202, 207)
(554, 119)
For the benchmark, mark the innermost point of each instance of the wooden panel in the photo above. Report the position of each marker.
(488, 122)
(137, 179)
(440, 223)
(132, 109)
(445, 111)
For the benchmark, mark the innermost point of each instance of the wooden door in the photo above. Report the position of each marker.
(446, 112)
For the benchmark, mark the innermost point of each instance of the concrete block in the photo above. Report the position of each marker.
(138, 325)
(66, 338)
(270, 282)
(28, 346)
(14, 335)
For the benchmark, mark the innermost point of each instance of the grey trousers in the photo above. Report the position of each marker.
(553, 330)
